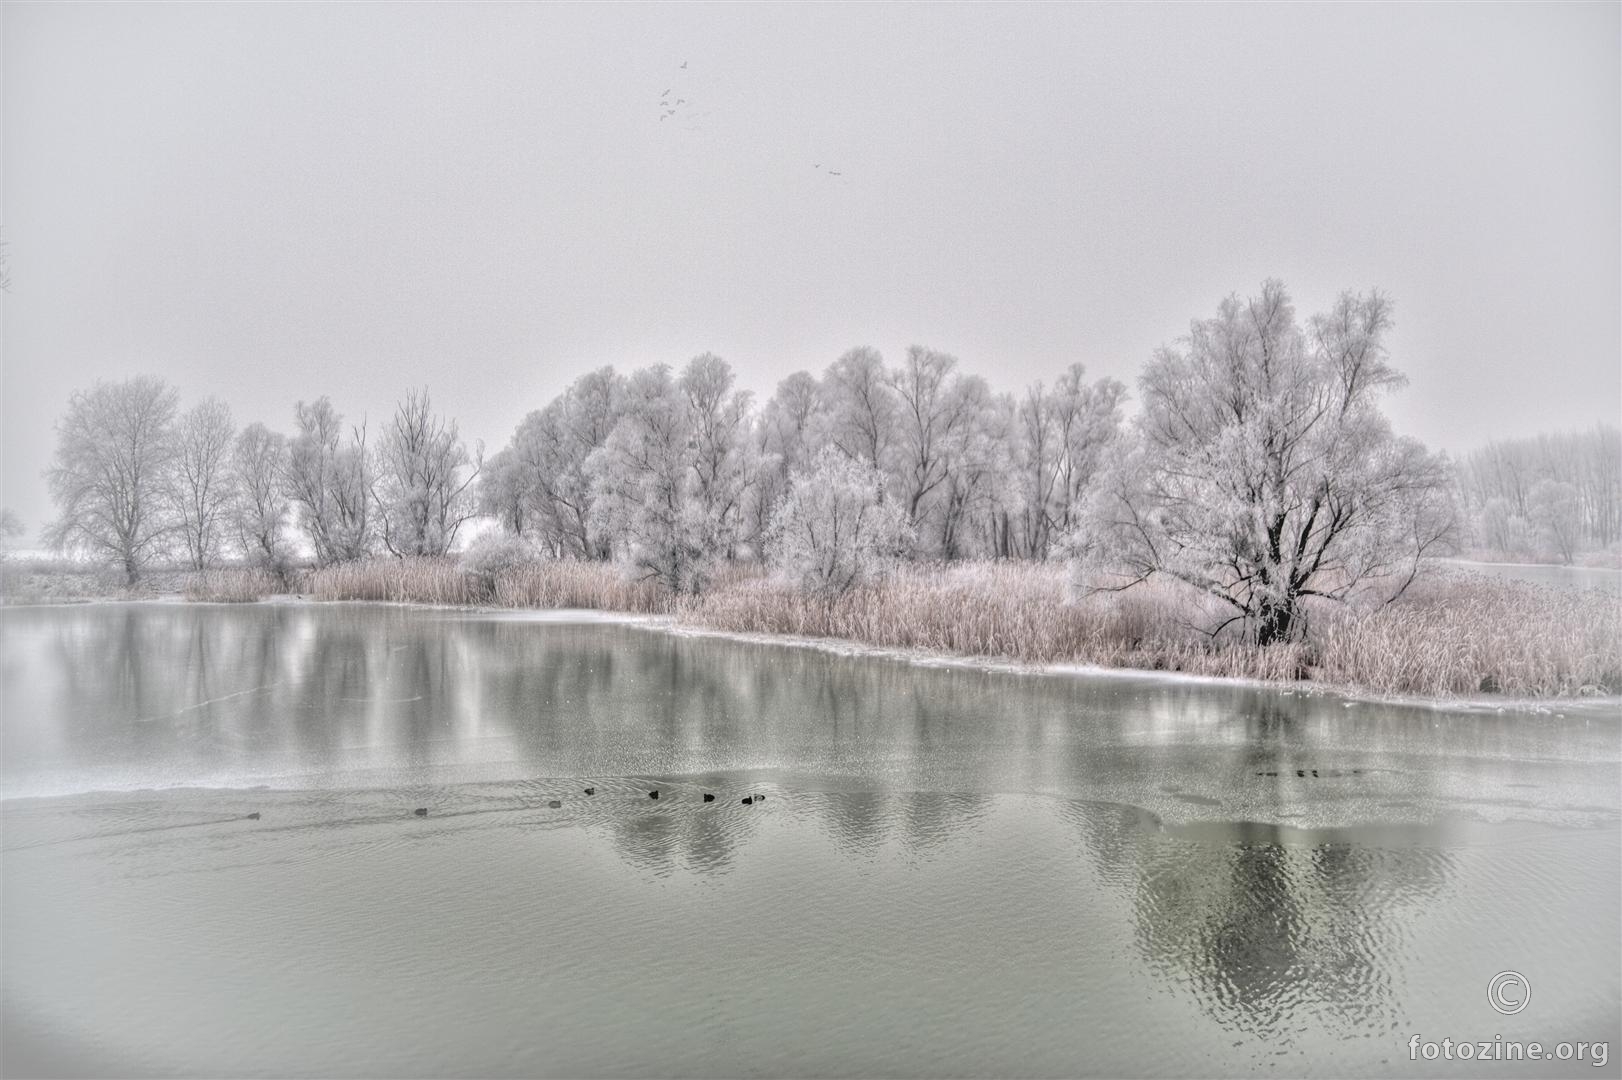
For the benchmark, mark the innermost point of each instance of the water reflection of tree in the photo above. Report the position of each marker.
(1272, 929)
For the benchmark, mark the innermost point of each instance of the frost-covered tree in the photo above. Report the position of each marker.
(861, 406)
(1498, 527)
(1508, 471)
(114, 460)
(723, 460)
(201, 485)
(646, 488)
(504, 491)
(1087, 419)
(833, 530)
(11, 527)
(793, 419)
(424, 479)
(1057, 438)
(978, 476)
(939, 415)
(329, 480)
(1025, 520)
(1557, 514)
(259, 506)
(1263, 471)
(548, 489)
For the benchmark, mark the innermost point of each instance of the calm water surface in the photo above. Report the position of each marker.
(1561, 577)
(955, 871)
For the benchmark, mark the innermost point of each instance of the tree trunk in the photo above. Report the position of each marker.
(1275, 620)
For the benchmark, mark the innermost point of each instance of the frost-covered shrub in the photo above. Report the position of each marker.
(834, 530)
(493, 557)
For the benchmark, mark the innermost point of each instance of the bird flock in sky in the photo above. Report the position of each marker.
(675, 104)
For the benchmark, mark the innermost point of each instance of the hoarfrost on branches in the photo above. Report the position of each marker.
(111, 473)
(1262, 471)
(832, 530)
(201, 482)
(423, 479)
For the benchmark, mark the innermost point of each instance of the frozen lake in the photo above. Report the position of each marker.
(1564, 577)
(955, 871)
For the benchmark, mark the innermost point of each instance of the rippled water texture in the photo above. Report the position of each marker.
(954, 871)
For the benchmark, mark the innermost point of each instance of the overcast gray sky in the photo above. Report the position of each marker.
(273, 202)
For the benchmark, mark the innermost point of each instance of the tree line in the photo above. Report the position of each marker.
(1553, 495)
(1259, 470)
(135, 479)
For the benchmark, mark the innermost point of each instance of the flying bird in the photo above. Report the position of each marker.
(832, 173)
(684, 65)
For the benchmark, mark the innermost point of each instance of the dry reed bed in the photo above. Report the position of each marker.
(551, 584)
(231, 586)
(1455, 634)
(1460, 633)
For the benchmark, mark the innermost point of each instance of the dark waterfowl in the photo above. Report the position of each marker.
(748, 800)
(421, 811)
(708, 797)
(653, 794)
(591, 791)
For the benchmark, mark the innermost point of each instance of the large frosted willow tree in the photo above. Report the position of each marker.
(1263, 471)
